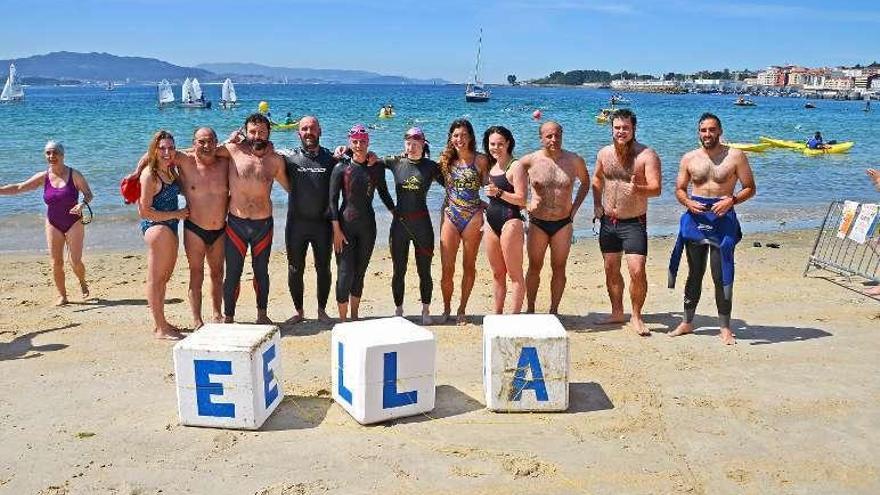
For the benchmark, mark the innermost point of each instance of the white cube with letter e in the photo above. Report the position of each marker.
(383, 369)
(227, 375)
(525, 363)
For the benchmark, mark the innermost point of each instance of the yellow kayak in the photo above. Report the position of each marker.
(285, 127)
(783, 143)
(832, 150)
(749, 146)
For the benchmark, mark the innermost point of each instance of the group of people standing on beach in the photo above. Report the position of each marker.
(228, 209)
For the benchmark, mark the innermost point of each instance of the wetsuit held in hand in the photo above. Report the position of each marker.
(699, 235)
(307, 222)
(412, 222)
(356, 183)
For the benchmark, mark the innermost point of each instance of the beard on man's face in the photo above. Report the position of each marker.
(709, 142)
(624, 150)
(259, 144)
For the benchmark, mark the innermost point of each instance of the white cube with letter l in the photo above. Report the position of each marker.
(382, 369)
(227, 375)
(525, 363)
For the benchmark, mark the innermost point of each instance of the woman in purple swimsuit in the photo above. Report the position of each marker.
(160, 213)
(464, 173)
(61, 188)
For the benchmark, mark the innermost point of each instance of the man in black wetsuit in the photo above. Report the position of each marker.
(309, 168)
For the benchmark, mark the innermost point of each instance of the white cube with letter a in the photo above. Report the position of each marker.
(525, 363)
(227, 375)
(383, 369)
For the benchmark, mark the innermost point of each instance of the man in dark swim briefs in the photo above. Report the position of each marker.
(204, 182)
(627, 173)
(552, 172)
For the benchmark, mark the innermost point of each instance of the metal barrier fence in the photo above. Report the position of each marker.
(848, 245)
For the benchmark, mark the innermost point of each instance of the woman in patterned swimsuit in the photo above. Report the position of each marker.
(464, 173)
(160, 213)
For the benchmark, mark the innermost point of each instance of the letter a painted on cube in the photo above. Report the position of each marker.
(205, 388)
(343, 392)
(390, 397)
(270, 390)
(528, 359)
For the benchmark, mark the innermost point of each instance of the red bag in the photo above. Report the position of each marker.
(130, 188)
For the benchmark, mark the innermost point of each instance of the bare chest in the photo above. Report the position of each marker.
(548, 177)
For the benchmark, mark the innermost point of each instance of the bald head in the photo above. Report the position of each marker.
(551, 136)
(550, 126)
(205, 132)
(310, 132)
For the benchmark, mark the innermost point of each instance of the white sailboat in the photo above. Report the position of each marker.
(12, 90)
(475, 92)
(191, 95)
(186, 91)
(228, 98)
(166, 94)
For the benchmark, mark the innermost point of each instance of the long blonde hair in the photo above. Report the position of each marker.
(153, 153)
(449, 155)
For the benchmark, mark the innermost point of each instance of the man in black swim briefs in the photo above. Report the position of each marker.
(204, 182)
(627, 173)
(552, 172)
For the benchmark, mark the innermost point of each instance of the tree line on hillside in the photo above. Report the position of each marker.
(579, 77)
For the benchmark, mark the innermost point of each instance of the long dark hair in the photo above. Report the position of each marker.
(505, 133)
(449, 155)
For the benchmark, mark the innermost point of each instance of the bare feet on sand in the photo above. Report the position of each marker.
(727, 336)
(398, 311)
(612, 319)
(170, 333)
(873, 291)
(228, 319)
(84, 287)
(264, 320)
(461, 319)
(61, 301)
(323, 316)
(293, 320)
(426, 319)
(639, 327)
(197, 324)
(681, 329)
(218, 318)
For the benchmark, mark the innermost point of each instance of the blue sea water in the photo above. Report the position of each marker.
(105, 132)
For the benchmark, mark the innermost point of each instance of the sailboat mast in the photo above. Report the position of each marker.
(479, 50)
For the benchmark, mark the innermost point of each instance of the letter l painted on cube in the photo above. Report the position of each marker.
(390, 397)
(343, 392)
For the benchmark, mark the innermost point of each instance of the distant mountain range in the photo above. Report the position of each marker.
(70, 67)
(301, 75)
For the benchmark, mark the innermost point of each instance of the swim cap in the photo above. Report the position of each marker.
(54, 145)
(358, 131)
(415, 133)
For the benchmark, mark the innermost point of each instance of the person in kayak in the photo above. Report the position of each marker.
(817, 143)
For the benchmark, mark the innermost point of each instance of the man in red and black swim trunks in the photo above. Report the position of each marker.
(627, 173)
(552, 172)
(253, 168)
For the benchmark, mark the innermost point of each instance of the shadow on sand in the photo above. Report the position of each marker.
(21, 346)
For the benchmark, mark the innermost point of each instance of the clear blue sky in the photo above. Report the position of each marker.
(529, 38)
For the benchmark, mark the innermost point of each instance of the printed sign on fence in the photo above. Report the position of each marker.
(865, 223)
(846, 218)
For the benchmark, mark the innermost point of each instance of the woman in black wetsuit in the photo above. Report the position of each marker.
(504, 239)
(354, 221)
(413, 174)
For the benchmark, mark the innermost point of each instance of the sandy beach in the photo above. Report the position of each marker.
(88, 404)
